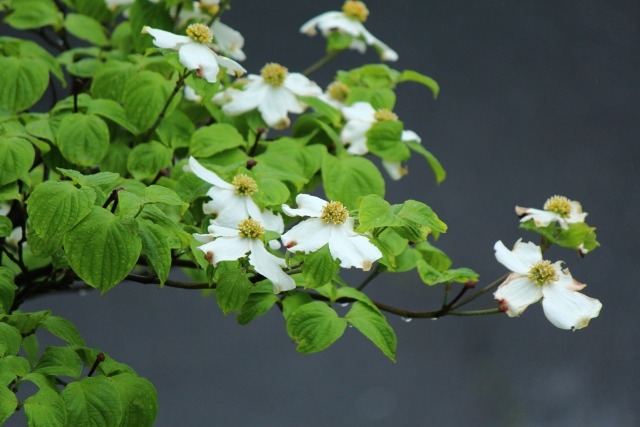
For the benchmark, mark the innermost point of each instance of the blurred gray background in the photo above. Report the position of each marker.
(538, 98)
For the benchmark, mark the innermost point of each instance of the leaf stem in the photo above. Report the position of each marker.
(321, 62)
(370, 278)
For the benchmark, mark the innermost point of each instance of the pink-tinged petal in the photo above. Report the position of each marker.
(529, 253)
(568, 309)
(360, 111)
(165, 39)
(276, 105)
(509, 259)
(301, 85)
(409, 135)
(394, 169)
(231, 66)
(308, 205)
(308, 236)
(196, 56)
(353, 251)
(269, 266)
(247, 99)
(207, 175)
(225, 249)
(516, 293)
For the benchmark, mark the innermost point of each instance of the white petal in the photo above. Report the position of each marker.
(203, 238)
(272, 221)
(360, 111)
(568, 309)
(540, 218)
(308, 236)
(191, 95)
(386, 53)
(359, 45)
(269, 265)
(308, 27)
(394, 169)
(196, 56)
(354, 134)
(353, 251)
(228, 40)
(217, 230)
(165, 39)
(207, 175)
(409, 135)
(520, 262)
(301, 85)
(247, 99)
(308, 205)
(225, 249)
(516, 293)
(276, 105)
(231, 66)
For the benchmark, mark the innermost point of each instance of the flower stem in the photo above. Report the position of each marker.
(322, 62)
(369, 278)
(481, 292)
(174, 92)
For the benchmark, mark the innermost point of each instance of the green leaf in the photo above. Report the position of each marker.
(156, 248)
(374, 326)
(438, 170)
(431, 276)
(215, 138)
(7, 290)
(349, 179)
(12, 367)
(113, 111)
(147, 159)
(84, 68)
(86, 28)
(293, 300)
(144, 12)
(92, 402)
(24, 81)
(176, 130)
(116, 159)
(10, 340)
(16, 157)
(271, 192)
(258, 303)
(164, 195)
(414, 76)
(139, 400)
(144, 98)
(5, 226)
(95, 9)
(94, 180)
(578, 236)
(27, 323)
(384, 140)
(378, 98)
(109, 82)
(418, 214)
(61, 361)
(334, 115)
(8, 404)
(63, 329)
(434, 256)
(374, 212)
(83, 139)
(107, 367)
(314, 327)
(31, 347)
(30, 14)
(56, 207)
(319, 267)
(45, 408)
(233, 290)
(102, 249)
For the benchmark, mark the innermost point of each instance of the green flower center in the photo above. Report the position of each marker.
(385, 115)
(250, 228)
(338, 91)
(274, 74)
(558, 204)
(542, 273)
(355, 10)
(334, 213)
(245, 186)
(199, 33)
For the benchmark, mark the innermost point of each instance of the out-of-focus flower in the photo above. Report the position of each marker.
(533, 279)
(556, 208)
(336, 95)
(231, 202)
(232, 243)
(195, 52)
(329, 223)
(349, 21)
(273, 93)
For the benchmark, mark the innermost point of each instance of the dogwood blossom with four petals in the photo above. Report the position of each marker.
(533, 279)
(232, 202)
(233, 243)
(329, 223)
(349, 21)
(556, 208)
(195, 52)
(273, 93)
(361, 116)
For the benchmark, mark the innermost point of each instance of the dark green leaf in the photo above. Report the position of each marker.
(314, 327)
(45, 408)
(60, 361)
(92, 402)
(374, 326)
(349, 179)
(156, 248)
(319, 267)
(233, 290)
(83, 139)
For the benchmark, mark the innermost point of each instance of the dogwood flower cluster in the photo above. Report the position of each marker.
(556, 208)
(349, 21)
(533, 278)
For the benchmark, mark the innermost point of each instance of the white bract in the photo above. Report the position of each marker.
(195, 52)
(533, 279)
(231, 202)
(329, 223)
(349, 21)
(336, 95)
(273, 93)
(556, 208)
(233, 243)
(361, 116)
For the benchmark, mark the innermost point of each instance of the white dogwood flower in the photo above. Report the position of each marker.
(273, 93)
(232, 202)
(361, 116)
(233, 243)
(349, 21)
(556, 208)
(195, 52)
(329, 224)
(533, 279)
(336, 95)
